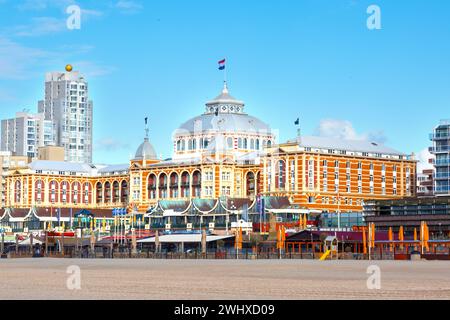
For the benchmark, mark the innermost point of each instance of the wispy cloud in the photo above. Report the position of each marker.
(16, 59)
(40, 26)
(343, 129)
(37, 5)
(128, 6)
(92, 69)
(111, 144)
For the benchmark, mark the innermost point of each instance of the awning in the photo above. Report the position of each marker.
(184, 238)
(300, 211)
(172, 213)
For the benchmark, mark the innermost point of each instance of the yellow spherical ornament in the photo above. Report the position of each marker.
(69, 68)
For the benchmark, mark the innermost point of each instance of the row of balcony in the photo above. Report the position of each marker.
(440, 136)
(445, 176)
(443, 189)
(439, 149)
(444, 162)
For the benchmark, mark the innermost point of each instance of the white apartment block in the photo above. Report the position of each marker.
(25, 133)
(67, 104)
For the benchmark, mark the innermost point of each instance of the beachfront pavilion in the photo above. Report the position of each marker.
(181, 242)
(353, 242)
(38, 219)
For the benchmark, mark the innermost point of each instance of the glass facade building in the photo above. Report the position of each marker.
(441, 151)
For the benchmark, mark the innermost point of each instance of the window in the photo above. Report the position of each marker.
(230, 143)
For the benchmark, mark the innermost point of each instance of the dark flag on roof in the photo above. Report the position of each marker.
(146, 120)
(297, 122)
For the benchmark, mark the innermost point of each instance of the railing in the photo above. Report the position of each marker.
(434, 136)
(442, 162)
(442, 190)
(439, 149)
(442, 175)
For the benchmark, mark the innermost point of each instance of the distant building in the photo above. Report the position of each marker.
(409, 213)
(51, 153)
(441, 150)
(25, 133)
(67, 104)
(227, 167)
(8, 162)
(425, 182)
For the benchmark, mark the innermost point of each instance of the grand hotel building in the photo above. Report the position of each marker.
(224, 161)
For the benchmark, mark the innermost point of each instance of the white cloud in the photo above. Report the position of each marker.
(16, 59)
(92, 70)
(37, 5)
(41, 26)
(423, 157)
(128, 6)
(111, 144)
(343, 129)
(19, 62)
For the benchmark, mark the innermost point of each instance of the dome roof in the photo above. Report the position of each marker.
(145, 151)
(224, 114)
(225, 122)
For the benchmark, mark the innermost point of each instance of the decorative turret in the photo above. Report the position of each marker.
(225, 103)
(146, 151)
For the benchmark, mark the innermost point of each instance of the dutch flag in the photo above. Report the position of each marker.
(222, 64)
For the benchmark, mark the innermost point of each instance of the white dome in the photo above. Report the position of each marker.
(145, 151)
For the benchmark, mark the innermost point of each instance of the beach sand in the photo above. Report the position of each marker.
(222, 279)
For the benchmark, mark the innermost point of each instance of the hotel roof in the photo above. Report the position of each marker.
(61, 166)
(114, 168)
(348, 145)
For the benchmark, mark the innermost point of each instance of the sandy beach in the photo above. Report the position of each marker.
(224, 279)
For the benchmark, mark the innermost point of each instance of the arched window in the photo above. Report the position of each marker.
(252, 144)
(269, 143)
(190, 145)
(194, 144)
(183, 145)
(245, 146)
(230, 143)
(257, 144)
(178, 145)
(240, 143)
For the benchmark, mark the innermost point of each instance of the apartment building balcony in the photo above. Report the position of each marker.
(442, 190)
(441, 149)
(444, 163)
(439, 136)
(442, 176)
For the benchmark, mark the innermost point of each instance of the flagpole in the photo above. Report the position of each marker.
(225, 74)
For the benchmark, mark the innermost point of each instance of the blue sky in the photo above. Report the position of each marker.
(313, 59)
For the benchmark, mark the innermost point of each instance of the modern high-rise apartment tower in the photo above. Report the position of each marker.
(441, 150)
(24, 134)
(68, 106)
